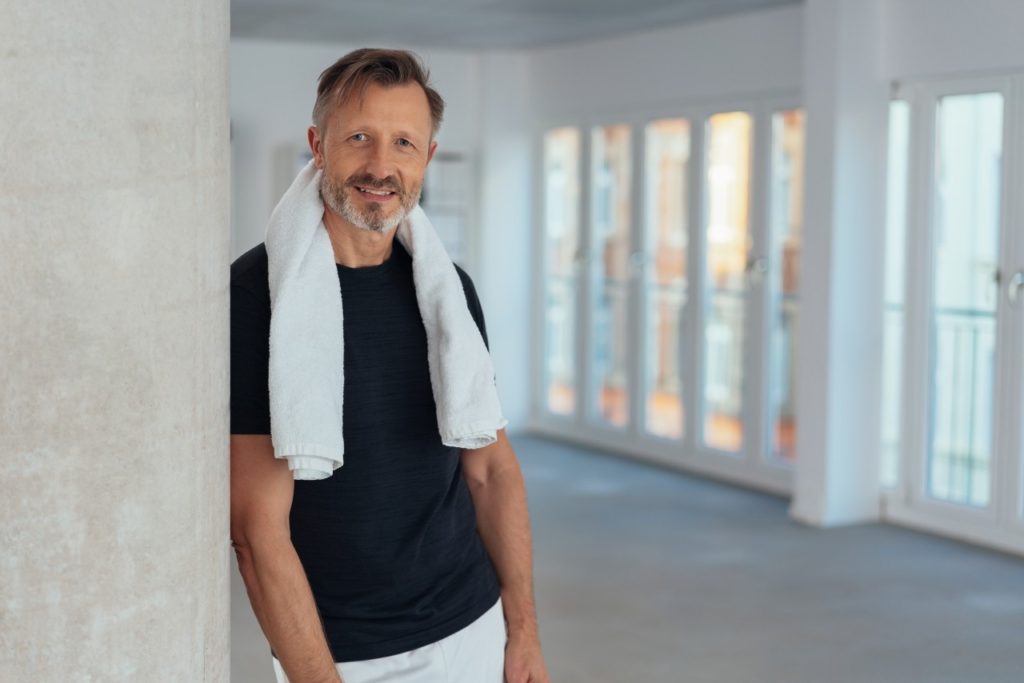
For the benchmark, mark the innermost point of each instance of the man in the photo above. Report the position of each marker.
(412, 562)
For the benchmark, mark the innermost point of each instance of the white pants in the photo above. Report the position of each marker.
(476, 654)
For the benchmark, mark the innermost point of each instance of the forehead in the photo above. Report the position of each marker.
(397, 106)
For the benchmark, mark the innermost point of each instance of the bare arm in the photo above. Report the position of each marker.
(499, 496)
(261, 497)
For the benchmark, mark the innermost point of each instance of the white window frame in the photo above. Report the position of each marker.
(1001, 525)
(753, 467)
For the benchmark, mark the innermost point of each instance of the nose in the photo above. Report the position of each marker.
(378, 162)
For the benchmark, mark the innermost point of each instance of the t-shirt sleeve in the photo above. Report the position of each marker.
(475, 309)
(250, 360)
(473, 302)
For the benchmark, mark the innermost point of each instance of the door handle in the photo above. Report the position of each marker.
(1015, 287)
(756, 269)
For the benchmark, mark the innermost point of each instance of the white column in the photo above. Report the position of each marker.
(114, 542)
(840, 336)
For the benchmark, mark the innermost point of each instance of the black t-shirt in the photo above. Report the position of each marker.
(388, 541)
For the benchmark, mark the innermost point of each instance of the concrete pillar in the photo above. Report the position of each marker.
(840, 337)
(114, 541)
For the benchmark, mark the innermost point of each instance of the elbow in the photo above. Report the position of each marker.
(243, 553)
(251, 542)
(241, 546)
(475, 480)
(491, 478)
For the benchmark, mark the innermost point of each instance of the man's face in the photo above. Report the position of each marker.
(374, 154)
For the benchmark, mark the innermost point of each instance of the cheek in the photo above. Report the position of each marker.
(342, 164)
(412, 174)
(345, 172)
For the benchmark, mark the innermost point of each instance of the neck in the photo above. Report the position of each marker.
(355, 247)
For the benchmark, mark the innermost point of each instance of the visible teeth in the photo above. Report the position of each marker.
(376, 192)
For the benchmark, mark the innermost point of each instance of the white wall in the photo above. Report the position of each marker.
(950, 37)
(506, 219)
(741, 54)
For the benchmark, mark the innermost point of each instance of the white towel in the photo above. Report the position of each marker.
(307, 377)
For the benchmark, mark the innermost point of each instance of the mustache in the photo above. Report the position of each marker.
(390, 183)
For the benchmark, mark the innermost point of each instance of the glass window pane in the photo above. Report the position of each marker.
(895, 260)
(561, 242)
(610, 237)
(786, 216)
(664, 293)
(729, 138)
(965, 232)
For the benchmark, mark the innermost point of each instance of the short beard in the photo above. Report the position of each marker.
(336, 197)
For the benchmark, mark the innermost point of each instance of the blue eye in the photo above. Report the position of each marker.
(357, 135)
(404, 142)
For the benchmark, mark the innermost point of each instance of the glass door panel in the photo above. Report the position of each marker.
(611, 209)
(895, 284)
(964, 294)
(786, 230)
(727, 237)
(664, 285)
(561, 245)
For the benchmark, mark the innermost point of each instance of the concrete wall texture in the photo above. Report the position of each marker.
(114, 256)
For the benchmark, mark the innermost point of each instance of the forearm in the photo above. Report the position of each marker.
(504, 526)
(283, 604)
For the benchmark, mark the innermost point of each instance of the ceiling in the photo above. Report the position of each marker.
(468, 24)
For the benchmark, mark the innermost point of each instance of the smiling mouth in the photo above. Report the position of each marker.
(374, 192)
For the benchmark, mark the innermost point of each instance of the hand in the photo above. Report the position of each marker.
(524, 662)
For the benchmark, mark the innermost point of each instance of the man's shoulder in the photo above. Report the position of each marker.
(250, 270)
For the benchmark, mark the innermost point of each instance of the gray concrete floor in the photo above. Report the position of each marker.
(648, 575)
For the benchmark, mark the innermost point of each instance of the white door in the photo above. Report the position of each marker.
(670, 247)
(962, 342)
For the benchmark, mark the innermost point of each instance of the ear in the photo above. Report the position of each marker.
(430, 153)
(316, 145)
